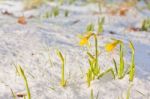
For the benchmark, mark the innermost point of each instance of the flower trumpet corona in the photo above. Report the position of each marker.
(84, 40)
(110, 46)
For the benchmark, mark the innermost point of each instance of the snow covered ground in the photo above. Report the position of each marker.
(32, 45)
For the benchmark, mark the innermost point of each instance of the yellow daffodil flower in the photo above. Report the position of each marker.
(85, 39)
(109, 47)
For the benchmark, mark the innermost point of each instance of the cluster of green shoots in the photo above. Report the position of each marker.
(120, 71)
(90, 27)
(94, 69)
(55, 12)
(30, 4)
(146, 25)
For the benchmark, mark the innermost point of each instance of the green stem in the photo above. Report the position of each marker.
(28, 91)
(132, 67)
(121, 68)
(63, 82)
(115, 64)
(96, 50)
(21, 72)
(63, 73)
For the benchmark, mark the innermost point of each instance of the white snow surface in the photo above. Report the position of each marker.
(32, 45)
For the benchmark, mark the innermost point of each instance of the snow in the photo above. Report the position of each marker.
(32, 44)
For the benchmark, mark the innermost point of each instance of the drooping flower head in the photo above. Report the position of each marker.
(110, 46)
(85, 39)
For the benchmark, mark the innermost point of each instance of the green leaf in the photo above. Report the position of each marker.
(100, 25)
(128, 92)
(22, 74)
(121, 67)
(63, 81)
(89, 77)
(146, 25)
(66, 13)
(115, 65)
(90, 55)
(92, 95)
(60, 56)
(55, 11)
(107, 71)
(90, 27)
(132, 66)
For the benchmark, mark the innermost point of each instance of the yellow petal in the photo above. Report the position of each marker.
(83, 41)
(109, 47)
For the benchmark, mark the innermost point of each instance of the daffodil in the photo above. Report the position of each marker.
(110, 46)
(85, 39)
(94, 68)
